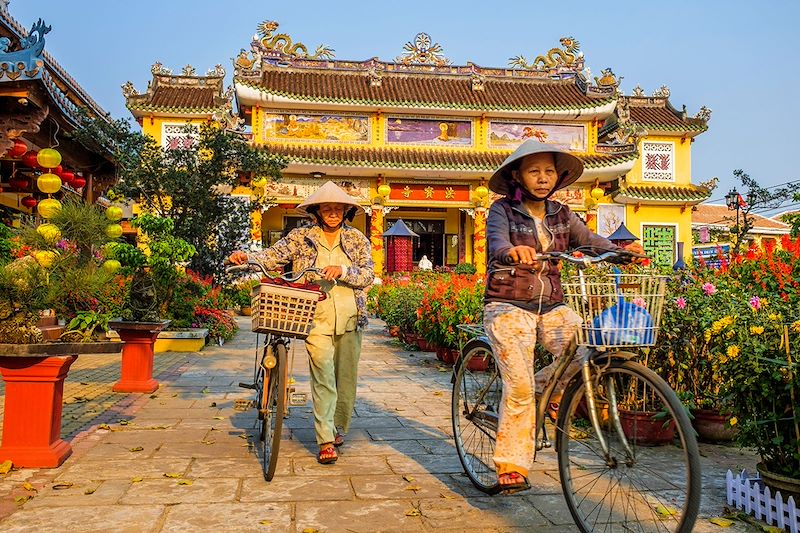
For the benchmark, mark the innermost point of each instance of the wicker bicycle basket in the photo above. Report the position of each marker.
(618, 310)
(281, 310)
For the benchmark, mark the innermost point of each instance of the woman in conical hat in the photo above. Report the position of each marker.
(344, 256)
(525, 304)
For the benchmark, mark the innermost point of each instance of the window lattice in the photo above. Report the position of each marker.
(659, 244)
(658, 161)
(178, 136)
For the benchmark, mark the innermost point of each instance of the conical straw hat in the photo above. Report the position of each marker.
(328, 193)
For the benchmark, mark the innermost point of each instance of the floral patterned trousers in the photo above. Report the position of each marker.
(513, 333)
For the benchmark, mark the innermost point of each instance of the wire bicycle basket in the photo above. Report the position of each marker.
(618, 310)
(283, 310)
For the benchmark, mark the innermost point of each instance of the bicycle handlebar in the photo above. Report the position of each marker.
(587, 260)
(289, 276)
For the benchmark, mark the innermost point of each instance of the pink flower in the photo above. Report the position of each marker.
(755, 303)
(709, 289)
(640, 302)
(680, 303)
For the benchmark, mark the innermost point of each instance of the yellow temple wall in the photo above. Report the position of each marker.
(683, 162)
(666, 215)
(153, 126)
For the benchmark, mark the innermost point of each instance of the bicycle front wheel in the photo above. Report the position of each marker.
(271, 407)
(650, 479)
(475, 407)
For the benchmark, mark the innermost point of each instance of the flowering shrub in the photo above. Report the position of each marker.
(221, 326)
(446, 302)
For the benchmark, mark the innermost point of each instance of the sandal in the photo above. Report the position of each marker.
(338, 440)
(327, 454)
(552, 411)
(515, 482)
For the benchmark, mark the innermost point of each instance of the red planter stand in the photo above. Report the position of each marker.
(139, 338)
(34, 378)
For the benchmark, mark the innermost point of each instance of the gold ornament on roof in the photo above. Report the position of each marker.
(423, 51)
(188, 70)
(638, 92)
(661, 92)
(282, 43)
(704, 114)
(607, 78)
(554, 57)
(158, 68)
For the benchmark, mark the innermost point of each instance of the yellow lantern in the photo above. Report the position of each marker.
(597, 193)
(48, 208)
(384, 190)
(114, 231)
(481, 192)
(259, 182)
(49, 183)
(49, 232)
(48, 158)
(114, 213)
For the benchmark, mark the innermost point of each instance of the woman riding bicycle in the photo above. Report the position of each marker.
(343, 255)
(524, 298)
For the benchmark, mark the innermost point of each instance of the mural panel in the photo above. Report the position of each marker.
(609, 217)
(319, 128)
(509, 135)
(419, 131)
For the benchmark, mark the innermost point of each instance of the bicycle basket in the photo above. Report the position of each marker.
(617, 310)
(282, 310)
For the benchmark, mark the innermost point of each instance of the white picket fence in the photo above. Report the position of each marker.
(753, 497)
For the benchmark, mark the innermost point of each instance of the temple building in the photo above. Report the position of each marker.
(417, 138)
(40, 104)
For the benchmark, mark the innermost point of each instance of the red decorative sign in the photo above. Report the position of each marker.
(426, 192)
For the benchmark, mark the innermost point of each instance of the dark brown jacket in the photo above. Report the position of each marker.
(535, 289)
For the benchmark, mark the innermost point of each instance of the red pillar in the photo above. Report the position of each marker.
(32, 418)
(137, 360)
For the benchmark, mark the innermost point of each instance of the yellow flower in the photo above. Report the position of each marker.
(774, 317)
(733, 421)
(756, 330)
(707, 336)
(729, 334)
(721, 324)
(796, 326)
(733, 351)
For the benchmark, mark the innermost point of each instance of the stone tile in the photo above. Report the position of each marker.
(82, 471)
(109, 451)
(296, 488)
(390, 487)
(101, 493)
(239, 517)
(385, 447)
(485, 512)
(425, 463)
(204, 467)
(347, 465)
(377, 516)
(168, 491)
(214, 447)
(91, 519)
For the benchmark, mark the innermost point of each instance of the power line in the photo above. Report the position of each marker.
(786, 184)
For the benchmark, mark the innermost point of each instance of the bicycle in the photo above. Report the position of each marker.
(611, 477)
(282, 311)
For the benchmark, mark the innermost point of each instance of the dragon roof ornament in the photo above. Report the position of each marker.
(282, 44)
(568, 58)
(188, 70)
(26, 63)
(423, 51)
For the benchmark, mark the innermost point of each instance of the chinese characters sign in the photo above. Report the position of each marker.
(427, 192)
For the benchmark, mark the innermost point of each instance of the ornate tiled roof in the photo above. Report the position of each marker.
(661, 194)
(423, 90)
(416, 158)
(179, 94)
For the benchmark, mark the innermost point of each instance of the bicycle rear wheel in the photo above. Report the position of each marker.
(655, 484)
(475, 407)
(271, 407)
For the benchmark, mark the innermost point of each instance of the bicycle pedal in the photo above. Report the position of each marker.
(243, 405)
(251, 386)
(298, 399)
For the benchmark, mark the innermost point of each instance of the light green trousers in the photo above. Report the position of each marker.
(333, 361)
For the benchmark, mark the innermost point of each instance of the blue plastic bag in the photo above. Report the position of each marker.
(622, 323)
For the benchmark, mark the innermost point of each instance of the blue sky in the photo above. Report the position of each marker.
(738, 58)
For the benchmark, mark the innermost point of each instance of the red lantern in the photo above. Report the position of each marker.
(29, 159)
(18, 150)
(78, 182)
(67, 177)
(57, 171)
(18, 183)
(29, 202)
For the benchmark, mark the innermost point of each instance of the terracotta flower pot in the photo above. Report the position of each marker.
(394, 331)
(440, 352)
(644, 429)
(711, 426)
(787, 485)
(478, 364)
(449, 356)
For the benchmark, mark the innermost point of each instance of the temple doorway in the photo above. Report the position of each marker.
(430, 242)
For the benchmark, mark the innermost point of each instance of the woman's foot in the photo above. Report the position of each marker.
(327, 454)
(511, 482)
(339, 439)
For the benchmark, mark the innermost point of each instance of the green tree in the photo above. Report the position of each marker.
(189, 184)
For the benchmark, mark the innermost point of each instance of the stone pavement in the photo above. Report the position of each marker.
(182, 458)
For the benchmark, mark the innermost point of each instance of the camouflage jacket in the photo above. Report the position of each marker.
(300, 247)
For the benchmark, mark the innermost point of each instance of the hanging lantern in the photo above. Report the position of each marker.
(30, 159)
(596, 193)
(48, 208)
(111, 265)
(48, 158)
(57, 171)
(481, 192)
(67, 177)
(18, 183)
(48, 183)
(259, 182)
(114, 231)
(384, 190)
(29, 202)
(78, 182)
(114, 213)
(18, 150)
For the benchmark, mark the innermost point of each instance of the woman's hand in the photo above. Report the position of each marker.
(237, 258)
(332, 272)
(637, 248)
(522, 254)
